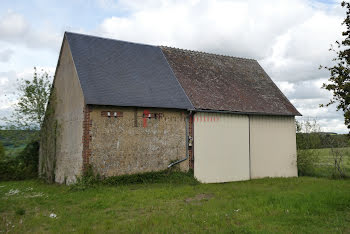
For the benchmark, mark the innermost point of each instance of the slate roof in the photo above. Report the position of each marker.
(119, 73)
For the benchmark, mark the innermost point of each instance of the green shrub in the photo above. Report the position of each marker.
(24, 166)
(29, 156)
(307, 161)
(20, 211)
(2, 152)
(87, 180)
(11, 169)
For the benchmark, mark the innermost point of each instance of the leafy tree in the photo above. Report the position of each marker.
(33, 96)
(339, 81)
(22, 126)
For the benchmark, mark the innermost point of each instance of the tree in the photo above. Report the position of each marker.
(308, 141)
(33, 96)
(28, 115)
(339, 81)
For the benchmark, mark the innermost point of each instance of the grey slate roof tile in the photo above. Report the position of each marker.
(113, 72)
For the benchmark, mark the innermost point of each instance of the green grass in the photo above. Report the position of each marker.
(292, 205)
(325, 166)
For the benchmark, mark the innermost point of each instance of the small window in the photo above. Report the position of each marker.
(152, 115)
(110, 114)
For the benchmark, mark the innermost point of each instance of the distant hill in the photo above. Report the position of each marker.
(329, 133)
(15, 140)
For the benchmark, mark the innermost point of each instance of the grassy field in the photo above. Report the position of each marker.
(325, 166)
(293, 205)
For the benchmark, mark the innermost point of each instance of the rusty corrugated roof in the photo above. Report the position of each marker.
(224, 83)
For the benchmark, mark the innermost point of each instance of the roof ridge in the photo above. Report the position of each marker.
(161, 46)
(205, 53)
(108, 38)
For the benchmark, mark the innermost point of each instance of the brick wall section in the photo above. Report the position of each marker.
(87, 123)
(190, 148)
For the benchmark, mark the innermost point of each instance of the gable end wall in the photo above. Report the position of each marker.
(60, 157)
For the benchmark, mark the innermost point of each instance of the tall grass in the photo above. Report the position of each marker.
(167, 176)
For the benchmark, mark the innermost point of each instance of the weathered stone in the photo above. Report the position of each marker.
(118, 147)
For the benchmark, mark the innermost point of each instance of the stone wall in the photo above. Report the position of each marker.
(132, 144)
(60, 158)
(47, 150)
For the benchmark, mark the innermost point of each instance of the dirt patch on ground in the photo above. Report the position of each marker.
(200, 197)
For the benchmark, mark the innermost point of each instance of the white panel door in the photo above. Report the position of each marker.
(273, 146)
(221, 147)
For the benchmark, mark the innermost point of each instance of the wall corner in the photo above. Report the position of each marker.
(87, 123)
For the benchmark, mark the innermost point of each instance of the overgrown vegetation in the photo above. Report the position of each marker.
(307, 140)
(2, 152)
(339, 155)
(20, 158)
(24, 166)
(89, 179)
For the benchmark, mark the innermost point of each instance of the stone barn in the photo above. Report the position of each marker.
(122, 108)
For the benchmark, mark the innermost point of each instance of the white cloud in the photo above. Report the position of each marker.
(14, 28)
(289, 38)
(297, 54)
(306, 96)
(286, 87)
(240, 28)
(5, 55)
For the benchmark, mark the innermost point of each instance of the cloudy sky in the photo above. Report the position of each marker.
(289, 38)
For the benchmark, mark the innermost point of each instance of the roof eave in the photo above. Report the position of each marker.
(246, 113)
